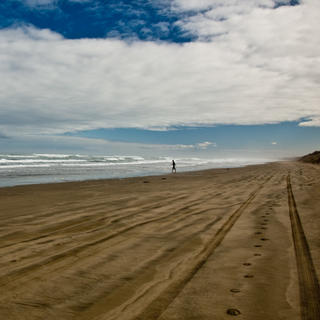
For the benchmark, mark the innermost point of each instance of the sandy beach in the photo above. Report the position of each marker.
(214, 244)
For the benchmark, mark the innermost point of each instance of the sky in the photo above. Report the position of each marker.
(205, 78)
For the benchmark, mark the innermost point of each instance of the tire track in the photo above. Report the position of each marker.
(156, 308)
(183, 210)
(118, 294)
(96, 218)
(167, 252)
(308, 281)
(17, 273)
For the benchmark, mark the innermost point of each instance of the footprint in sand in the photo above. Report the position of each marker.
(233, 312)
(264, 239)
(257, 254)
(249, 276)
(234, 290)
(258, 232)
(258, 245)
(247, 264)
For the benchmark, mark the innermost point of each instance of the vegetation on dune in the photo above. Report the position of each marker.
(313, 157)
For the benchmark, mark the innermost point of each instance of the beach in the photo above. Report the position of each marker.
(212, 244)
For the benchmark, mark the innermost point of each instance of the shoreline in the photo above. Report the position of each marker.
(136, 176)
(192, 245)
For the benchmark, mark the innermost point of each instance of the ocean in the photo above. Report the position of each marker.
(22, 169)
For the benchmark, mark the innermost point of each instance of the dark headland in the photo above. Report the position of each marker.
(313, 157)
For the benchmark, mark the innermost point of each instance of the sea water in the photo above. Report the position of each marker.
(20, 169)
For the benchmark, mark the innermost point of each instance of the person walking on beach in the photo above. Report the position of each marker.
(174, 167)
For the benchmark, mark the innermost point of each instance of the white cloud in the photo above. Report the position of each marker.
(313, 122)
(67, 144)
(262, 69)
(197, 5)
(192, 4)
(39, 2)
(178, 146)
(206, 144)
(274, 143)
(196, 146)
(47, 4)
(3, 136)
(200, 145)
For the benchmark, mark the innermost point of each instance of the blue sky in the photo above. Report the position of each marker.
(180, 76)
(284, 135)
(145, 20)
(141, 19)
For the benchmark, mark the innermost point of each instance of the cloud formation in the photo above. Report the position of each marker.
(200, 145)
(206, 144)
(3, 136)
(200, 5)
(75, 145)
(313, 122)
(39, 2)
(251, 64)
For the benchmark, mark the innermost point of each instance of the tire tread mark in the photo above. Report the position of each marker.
(308, 281)
(13, 275)
(158, 306)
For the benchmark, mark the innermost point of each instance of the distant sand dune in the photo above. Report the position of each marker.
(311, 158)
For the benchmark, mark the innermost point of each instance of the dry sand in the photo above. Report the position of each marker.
(217, 244)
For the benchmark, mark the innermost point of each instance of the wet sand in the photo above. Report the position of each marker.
(214, 244)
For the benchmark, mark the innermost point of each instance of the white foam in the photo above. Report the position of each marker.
(38, 168)
(20, 166)
(4, 161)
(53, 155)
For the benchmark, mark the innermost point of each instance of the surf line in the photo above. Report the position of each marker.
(308, 281)
(160, 304)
